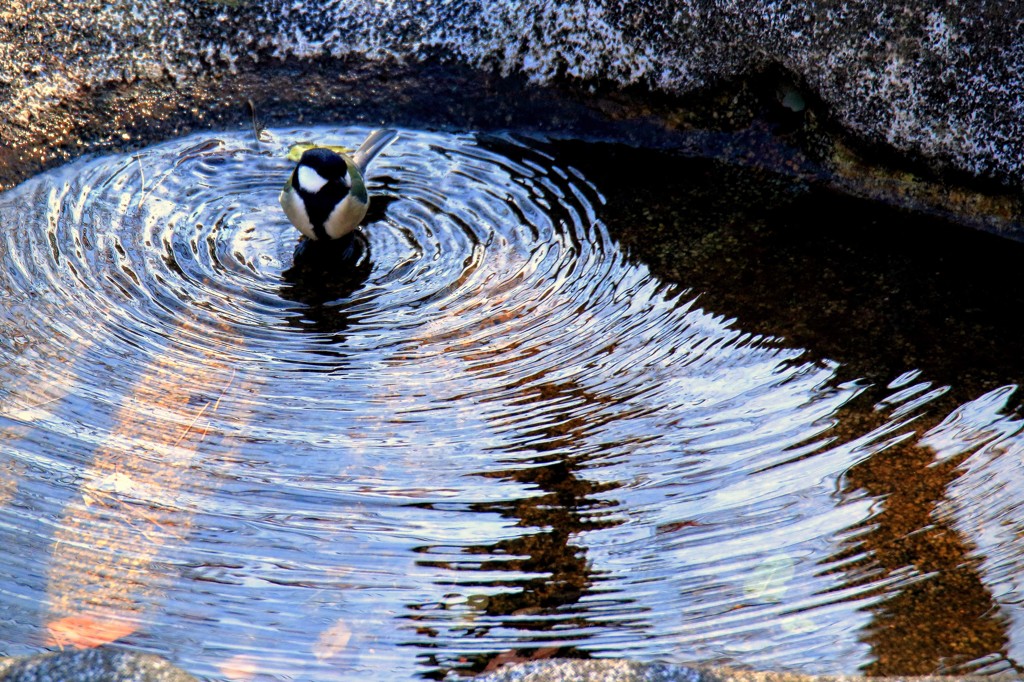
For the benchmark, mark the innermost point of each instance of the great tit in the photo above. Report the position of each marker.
(325, 196)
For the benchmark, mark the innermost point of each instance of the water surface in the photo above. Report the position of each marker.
(572, 399)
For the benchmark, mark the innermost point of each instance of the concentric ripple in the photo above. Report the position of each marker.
(488, 435)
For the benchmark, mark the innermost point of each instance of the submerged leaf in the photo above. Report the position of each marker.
(769, 580)
(332, 641)
(87, 631)
(239, 668)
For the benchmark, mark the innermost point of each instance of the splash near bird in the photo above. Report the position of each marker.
(325, 197)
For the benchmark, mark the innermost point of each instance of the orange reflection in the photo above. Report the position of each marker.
(132, 503)
(240, 668)
(333, 641)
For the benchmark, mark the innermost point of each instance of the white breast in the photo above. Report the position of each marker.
(296, 212)
(345, 217)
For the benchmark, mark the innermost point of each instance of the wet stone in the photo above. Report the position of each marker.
(93, 665)
(612, 670)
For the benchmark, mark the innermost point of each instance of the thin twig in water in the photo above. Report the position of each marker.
(28, 408)
(231, 380)
(193, 423)
(147, 192)
(257, 126)
(216, 403)
(142, 174)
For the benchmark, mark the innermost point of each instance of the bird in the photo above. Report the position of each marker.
(325, 197)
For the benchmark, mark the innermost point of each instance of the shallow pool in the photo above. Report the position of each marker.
(570, 399)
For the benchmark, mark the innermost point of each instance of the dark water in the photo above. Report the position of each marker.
(572, 399)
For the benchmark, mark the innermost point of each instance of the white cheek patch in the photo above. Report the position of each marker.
(310, 181)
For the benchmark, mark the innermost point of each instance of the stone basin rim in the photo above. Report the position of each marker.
(740, 121)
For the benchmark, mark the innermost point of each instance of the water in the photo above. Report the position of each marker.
(495, 434)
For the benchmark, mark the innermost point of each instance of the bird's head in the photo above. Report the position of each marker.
(322, 170)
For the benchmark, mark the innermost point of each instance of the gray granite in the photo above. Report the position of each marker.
(91, 665)
(936, 82)
(108, 665)
(611, 670)
(605, 670)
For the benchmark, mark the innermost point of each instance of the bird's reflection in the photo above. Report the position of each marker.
(324, 271)
(322, 276)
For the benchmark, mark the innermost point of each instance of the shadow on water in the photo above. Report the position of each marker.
(876, 288)
(557, 398)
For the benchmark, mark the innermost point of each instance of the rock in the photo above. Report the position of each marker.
(603, 670)
(937, 87)
(612, 670)
(91, 665)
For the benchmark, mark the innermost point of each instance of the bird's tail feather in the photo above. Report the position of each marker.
(373, 145)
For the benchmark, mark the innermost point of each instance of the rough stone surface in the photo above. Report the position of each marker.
(595, 671)
(936, 81)
(107, 665)
(608, 670)
(93, 665)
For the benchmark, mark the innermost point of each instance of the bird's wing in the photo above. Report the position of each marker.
(373, 145)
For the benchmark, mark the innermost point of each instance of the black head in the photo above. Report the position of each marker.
(327, 164)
